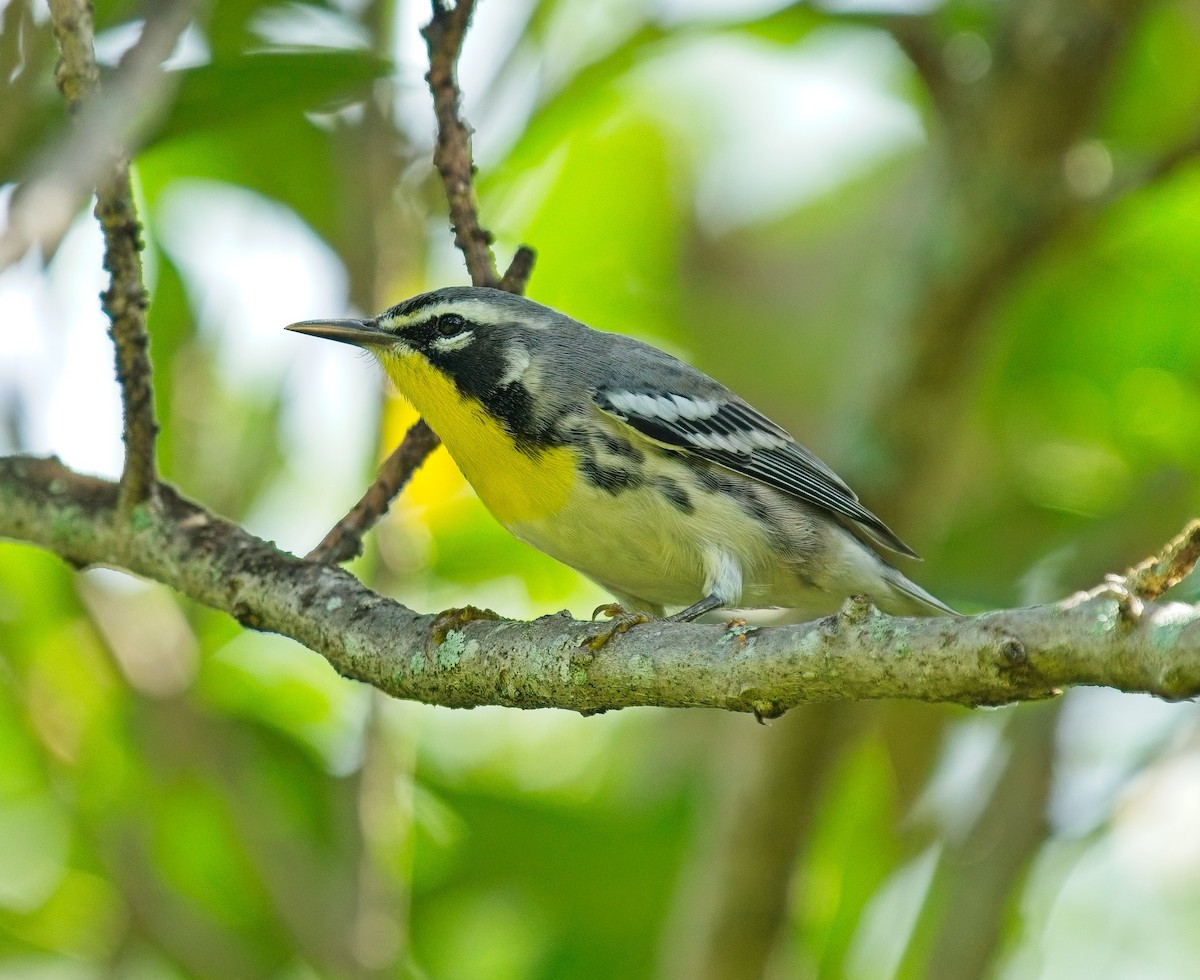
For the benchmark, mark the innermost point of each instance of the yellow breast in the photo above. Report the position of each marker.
(515, 486)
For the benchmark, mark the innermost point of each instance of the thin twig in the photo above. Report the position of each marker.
(452, 156)
(76, 73)
(125, 299)
(519, 270)
(1152, 577)
(125, 303)
(344, 540)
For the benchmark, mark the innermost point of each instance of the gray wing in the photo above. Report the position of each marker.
(727, 431)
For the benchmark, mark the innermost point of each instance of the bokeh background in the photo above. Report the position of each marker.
(953, 247)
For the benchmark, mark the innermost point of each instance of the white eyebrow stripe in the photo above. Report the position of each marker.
(473, 310)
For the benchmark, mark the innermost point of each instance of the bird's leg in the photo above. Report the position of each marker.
(697, 609)
(624, 620)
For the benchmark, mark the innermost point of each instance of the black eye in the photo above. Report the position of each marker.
(448, 324)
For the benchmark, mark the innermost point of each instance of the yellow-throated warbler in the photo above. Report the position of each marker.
(625, 463)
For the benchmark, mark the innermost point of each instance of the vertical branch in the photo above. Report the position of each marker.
(75, 74)
(964, 920)
(125, 299)
(721, 929)
(444, 36)
(125, 304)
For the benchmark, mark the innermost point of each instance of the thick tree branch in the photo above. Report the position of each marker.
(452, 156)
(125, 299)
(470, 658)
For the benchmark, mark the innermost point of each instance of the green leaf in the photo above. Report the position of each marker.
(269, 83)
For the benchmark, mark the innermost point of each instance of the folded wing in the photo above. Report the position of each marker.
(732, 434)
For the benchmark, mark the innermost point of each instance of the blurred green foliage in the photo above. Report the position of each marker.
(179, 798)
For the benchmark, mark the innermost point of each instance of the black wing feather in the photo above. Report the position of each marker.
(786, 466)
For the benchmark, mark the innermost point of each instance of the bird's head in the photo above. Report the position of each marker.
(479, 338)
(484, 341)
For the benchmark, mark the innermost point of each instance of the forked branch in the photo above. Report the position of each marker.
(444, 35)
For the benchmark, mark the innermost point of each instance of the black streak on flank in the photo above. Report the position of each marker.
(676, 494)
(613, 480)
(622, 448)
(745, 492)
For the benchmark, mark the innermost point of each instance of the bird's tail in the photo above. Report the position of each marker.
(909, 599)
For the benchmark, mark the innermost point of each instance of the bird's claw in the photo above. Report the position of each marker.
(623, 622)
(452, 619)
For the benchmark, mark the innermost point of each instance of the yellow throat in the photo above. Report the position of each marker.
(515, 486)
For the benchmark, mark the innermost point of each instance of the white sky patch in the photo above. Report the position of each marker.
(252, 267)
(498, 107)
(56, 361)
(190, 49)
(1104, 739)
(112, 44)
(776, 126)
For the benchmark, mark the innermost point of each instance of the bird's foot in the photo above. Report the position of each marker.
(452, 619)
(623, 622)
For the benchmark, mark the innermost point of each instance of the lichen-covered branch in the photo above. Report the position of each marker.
(125, 299)
(125, 304)
(471, 658)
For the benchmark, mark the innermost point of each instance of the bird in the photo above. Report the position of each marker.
(628, 464)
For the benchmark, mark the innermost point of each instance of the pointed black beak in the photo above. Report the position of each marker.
(360, 333)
